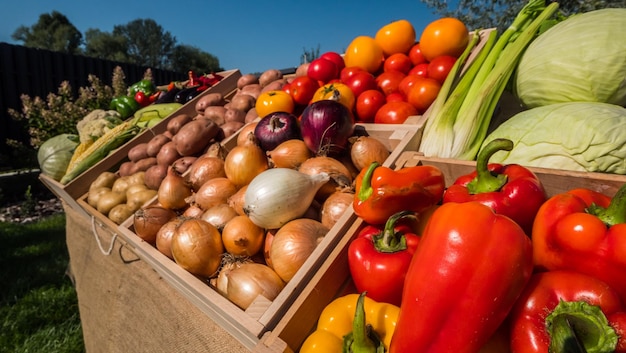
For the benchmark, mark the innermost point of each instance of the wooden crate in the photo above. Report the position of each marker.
(79, 186)
(248, 326)
(333, 275)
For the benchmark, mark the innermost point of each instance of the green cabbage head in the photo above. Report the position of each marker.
(55, 154)
(581, 59)
(570, 136)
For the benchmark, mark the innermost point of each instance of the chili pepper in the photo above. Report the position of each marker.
(560, 311)
(469, 268)
(354, 322)
(124, 105)
(511, 190)
(585, 231)
(381, 191)
(380, 256)
(146, 86)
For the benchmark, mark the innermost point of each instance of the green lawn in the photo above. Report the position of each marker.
(38, 304)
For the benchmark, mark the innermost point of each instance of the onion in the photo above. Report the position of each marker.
(219, 215)
(289, 154)
(365, 150)
(205, 168)
(229, 263)
(249, 280)
(214, 192)
(173, 191)
(197, 247)
(335, 206)
(278, 195)
(245, 131)
(292, 245)
(241, 237)
(267, 246)
(340, 176)
(148, 221)
(237, 200)
(326, 126)
(164, 237)
(245, 161)
(193, 211)
(275, 128)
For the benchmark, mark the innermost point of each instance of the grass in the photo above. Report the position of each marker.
(38, 303)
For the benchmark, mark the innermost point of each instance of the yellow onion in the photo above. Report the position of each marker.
(241, 237)
(148, 221)
(164, 237)
(245, 161)
(214, 192)
(197, 247)
(219, 215)
(289, 154)
(173, 191)
(340, 175)
(249, 280)
(335, 206)
(365, 150)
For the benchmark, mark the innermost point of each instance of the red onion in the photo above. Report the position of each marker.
(275, 128)
(326, 126)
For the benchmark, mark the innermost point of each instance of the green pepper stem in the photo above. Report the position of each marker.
(616, 212)
(366, 184)
(485, 181)
(362, 339)
(579, 327)
(390, 241)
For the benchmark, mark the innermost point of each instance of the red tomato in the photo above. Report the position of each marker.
(395, 97)
(407, 82)
(399, 62)
(423, 94)
(322, 70)
(440, 66)
(336, 58)
(394, 113)
(368, 103)
(389, 81)
(302, 89)
(420, 70)
(348, 71)
(416, 56)
(361, 81)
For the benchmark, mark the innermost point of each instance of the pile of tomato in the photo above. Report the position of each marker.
(384, 78)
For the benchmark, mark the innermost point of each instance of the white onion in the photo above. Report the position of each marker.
(279, 195)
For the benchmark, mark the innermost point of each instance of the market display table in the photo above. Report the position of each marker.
(125, 306)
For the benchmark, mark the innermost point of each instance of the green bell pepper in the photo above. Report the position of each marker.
(125, 106)
(146, 86)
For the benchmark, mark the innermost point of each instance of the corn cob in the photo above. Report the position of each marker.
(100, 148)
(78, 151)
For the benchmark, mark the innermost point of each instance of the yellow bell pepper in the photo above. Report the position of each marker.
(354, 316)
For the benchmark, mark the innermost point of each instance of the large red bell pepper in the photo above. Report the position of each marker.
(468, 270)
(584, 231)
(381, 191)
(561, 311)
(380, 256)
(511, 190)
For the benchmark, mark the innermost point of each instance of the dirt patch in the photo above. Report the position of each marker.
(30, 211)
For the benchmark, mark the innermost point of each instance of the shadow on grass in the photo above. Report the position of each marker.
(38, 304)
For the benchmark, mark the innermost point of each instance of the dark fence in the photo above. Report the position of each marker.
(37, 72)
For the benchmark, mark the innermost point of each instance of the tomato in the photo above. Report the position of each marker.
(396, 37)
(407, 82)
(273, 101)
(394, 113)
(322, 70)
(336, 58)
(336, 91)
(360, 82)
(399, 62)
(389, 81)
(420, 70)
(365, 53)
(423, 93)
(349, 71)
(440, 66)
(368, 103)
(302, 89)
(395, 97)
(416, 56)
(445, 36)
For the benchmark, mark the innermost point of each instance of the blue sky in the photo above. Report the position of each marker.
(252, 36)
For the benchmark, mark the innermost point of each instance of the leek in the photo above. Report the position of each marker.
(458, 127)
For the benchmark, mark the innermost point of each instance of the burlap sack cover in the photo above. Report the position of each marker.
(126, 307)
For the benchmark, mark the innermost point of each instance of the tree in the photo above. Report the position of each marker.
(478, 14)
(106, 46)
(148, 44)
(52, 32)
(186, 57)
(308, 56)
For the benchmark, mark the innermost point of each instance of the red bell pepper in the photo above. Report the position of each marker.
(381, 191)
(585, 231)
(511, 190)
(380, 256)
(561, 311)
(469, 269)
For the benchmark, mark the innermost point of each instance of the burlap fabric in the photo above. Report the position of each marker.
(126, 307)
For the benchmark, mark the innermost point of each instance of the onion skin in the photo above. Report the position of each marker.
(244, 162)
(173, 191)
(335, 206)
(197, 247)
(214, 192)
(245, 131)
(292, 245)
(164, 237)
(249, 280)
(205, 168)
(340, 175)
(289, 154)
(219, 215)
(365, 150)
(241, 237)
(326, 126)
(148, 221)
(275, 128)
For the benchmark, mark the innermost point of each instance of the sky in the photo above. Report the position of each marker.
(252, 36)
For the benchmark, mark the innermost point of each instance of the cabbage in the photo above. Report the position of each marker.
(55, 153)
(570, 136)
(581, 59)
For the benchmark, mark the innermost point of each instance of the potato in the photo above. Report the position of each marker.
(247, 79)
(127, 168)
(253, 90)
(231, 127)
(209, 100)
(168, 154)
(195, 136)
(302, 69)
(155, 144)
(94, 194)
(274, 86)
(108, 200)
(251, 116)
(234, 115)
(137, 152)
(243, 102)
(215, 113)
(103, 179)
(176, 122)
(119, 213)
(137, 178)
(121, 184)
(137, 199)
(155, 175)
(270, 76)
(143, 164)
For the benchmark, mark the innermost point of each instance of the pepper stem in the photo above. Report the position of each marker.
(366, 183)
(390, 241)
(616, 212)
(579, 327)
(362, 339)
(485, 181)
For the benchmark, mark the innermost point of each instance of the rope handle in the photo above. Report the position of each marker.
(95, 234)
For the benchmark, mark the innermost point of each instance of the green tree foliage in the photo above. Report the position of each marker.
(186, 57)
(53, 31)
(106, 46)
(147, 43)
(310, 55)
(499, 13)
